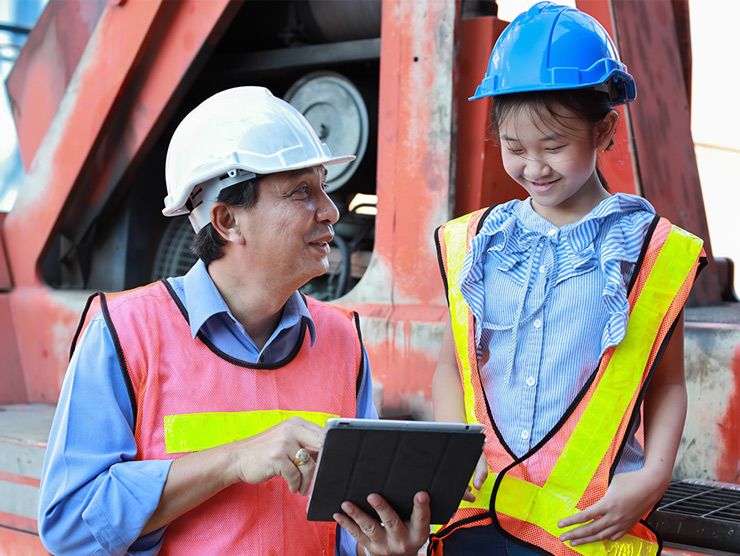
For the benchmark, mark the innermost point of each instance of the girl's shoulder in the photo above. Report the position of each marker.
(498, 214)
(625, 220)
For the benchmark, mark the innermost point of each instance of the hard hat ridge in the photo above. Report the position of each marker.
(245, 130)
(552, 47)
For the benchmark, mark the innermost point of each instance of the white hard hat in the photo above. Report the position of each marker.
(232, 137)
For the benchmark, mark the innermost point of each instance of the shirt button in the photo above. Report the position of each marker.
(542, 269)
(552, 232)
(537, 323)
(530, 381)
(525, 435)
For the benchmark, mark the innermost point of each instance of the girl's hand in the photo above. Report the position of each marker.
(479, 477)
(629, 497)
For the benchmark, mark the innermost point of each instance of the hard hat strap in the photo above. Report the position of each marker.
(204, 196)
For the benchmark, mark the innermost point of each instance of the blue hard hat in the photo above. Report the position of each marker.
(552, 47)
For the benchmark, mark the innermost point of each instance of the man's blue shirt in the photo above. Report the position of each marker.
(95, 498)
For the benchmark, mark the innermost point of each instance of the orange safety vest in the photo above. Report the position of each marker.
(189, 396)
(570, 469)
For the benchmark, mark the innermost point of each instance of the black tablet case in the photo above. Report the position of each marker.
(396, 465)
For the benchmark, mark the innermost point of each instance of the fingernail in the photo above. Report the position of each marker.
(335, 517)
(347, 508)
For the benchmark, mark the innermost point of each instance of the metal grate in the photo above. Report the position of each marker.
(174, 257)
(700, 513)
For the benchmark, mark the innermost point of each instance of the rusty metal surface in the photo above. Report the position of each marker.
(12, 382)
(661, 124)
(710, 447)
(138, 36)
(683, 30)
(45, 66)
(618, 165)
(401, 297)
(480, 179)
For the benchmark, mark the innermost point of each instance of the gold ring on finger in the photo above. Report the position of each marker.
(301, 457)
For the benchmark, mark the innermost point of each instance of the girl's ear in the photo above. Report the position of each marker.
(604, 130)
(224, 222)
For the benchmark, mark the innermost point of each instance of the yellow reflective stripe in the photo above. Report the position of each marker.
(598, 425)
(533, 504)
(192, 432)
(456, 235)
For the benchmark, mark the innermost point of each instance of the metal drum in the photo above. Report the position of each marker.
(336, 110)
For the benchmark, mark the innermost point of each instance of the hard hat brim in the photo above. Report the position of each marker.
(177, 206)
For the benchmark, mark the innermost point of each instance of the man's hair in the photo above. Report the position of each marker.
(207, 244)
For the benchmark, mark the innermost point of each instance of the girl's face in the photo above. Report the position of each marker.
(554, 163)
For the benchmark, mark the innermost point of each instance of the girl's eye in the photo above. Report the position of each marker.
(516, 151)
(554, 149)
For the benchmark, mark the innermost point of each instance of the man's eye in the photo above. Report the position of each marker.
(302, 191)
(516, 151)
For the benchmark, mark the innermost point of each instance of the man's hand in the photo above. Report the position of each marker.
(629, 497)
(392, 537)
(271, 453)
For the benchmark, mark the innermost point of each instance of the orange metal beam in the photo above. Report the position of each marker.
(401, 297)
(480, 180)
(661, 123)
(162, 40)
(618, 164)
(45, 66)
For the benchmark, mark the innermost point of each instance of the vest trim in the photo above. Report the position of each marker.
(361, 370)
(225, 356)
(81, 324)
(643, 392)
(441, 263)
(119, 352)
(643, 252)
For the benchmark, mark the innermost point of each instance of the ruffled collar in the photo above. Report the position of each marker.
(512, 230)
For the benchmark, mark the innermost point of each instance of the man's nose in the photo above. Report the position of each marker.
(327, 211)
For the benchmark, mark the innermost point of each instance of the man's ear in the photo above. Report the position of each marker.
(605, 130)
(225, 223)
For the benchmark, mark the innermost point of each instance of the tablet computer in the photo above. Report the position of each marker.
(395, 459)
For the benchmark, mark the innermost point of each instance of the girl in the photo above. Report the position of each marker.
(561, 308)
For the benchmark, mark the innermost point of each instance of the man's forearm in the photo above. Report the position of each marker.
(192, 480)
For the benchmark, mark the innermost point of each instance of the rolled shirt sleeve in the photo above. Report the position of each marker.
(94, 497)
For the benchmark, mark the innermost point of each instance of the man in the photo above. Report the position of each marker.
(192, 409)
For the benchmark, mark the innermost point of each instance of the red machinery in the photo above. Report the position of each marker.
(100, 85)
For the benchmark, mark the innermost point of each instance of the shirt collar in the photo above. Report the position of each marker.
(204, 301)
(619, 203)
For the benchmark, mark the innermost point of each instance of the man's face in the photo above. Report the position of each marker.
(289, 229)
